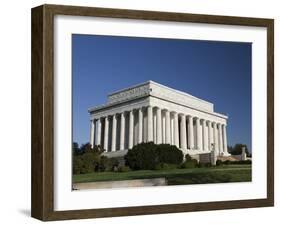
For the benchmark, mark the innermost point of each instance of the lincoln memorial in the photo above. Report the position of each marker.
(151, 112)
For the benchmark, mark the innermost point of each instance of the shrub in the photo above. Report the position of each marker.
(242, 162)
(169, 154)
(77, 165)
(89, 160)
(201, 165)
(149, 155)
(165, 166)
(142, 156)
(219, 162)
(187, 158)
(227, 162)
(123, 169)
(109, 164)
(192, 163)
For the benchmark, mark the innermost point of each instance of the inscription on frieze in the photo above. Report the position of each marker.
(129, 94)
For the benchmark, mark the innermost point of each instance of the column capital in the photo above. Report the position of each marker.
(133, 110)
(181, 114)
(127, 112)
(114, 115)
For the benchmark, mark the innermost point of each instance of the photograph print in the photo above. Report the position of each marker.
(160, 112)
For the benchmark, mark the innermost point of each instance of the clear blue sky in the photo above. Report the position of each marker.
(219, 72)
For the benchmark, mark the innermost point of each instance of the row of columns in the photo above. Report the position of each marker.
(184, 131)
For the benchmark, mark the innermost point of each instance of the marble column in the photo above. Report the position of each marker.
(154, 128)
(140, 129)
(224, 139)
(122, 131)
(172, 131)
(168, 127)
(183, 132)
(176, 129)
(92, 135)
(190, 132)
(113, 137)
(131, 129)
(209, 136)
(105, 143)
(198, 134)
(220, 139)
(163, 129)
(98, 124)
(149, 124)
(159, 126)
(215, 137)
(205, 135)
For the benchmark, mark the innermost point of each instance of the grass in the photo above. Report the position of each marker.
(219, 174)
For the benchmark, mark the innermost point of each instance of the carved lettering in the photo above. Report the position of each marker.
(129, 94)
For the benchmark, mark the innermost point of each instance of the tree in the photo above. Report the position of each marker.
(87, 159)
(86, 148)
(75, 148)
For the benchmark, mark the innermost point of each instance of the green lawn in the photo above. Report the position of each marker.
(220, 174)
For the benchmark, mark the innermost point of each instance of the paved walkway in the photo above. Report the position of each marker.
(120, 184)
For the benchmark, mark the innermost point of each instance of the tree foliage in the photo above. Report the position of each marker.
(87, 159)
(149, 155)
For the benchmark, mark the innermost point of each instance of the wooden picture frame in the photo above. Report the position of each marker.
(43, 112)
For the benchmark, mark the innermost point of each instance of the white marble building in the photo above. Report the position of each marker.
(153, 112)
